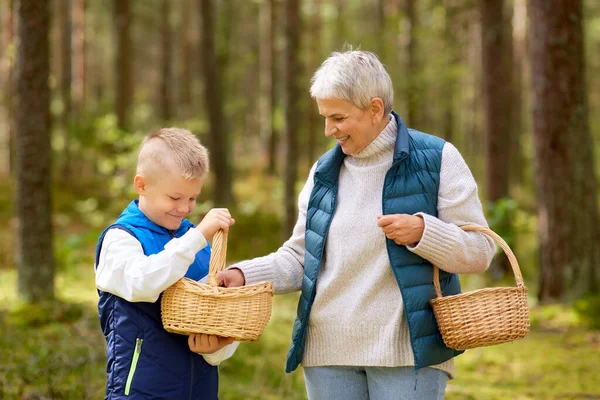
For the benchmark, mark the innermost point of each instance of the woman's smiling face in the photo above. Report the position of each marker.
(352, 127)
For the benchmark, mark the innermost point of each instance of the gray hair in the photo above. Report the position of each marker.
(355, 76)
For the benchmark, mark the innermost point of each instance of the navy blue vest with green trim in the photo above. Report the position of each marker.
(143, 361)
(410, 186)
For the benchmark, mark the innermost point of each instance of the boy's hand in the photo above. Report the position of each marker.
(231, 278)
(215, 219)
(207, 344)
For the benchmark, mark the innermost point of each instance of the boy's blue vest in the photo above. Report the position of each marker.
(410, 186)
(143, 360)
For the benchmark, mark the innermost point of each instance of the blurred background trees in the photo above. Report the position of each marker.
(509, 84)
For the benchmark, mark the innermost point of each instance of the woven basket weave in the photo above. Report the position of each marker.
(483, 317)
(190, 307)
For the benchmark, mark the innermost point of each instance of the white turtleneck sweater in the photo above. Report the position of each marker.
(357, 317)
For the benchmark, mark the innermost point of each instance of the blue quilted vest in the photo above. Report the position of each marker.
(143, 360)
(410, 186)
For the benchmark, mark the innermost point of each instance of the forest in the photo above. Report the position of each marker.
(513, 84)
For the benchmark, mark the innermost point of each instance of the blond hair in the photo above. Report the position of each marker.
(172, 150)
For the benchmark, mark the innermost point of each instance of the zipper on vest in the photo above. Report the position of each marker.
(192, 377)
(134, 361)
(171, 233)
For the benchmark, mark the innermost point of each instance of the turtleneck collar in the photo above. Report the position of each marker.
(380, 148)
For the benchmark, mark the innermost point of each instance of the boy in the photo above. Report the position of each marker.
(148, 248)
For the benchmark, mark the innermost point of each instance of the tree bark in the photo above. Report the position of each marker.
(293, 111)
(79, 67)
(411, 63)
(566, 186)
(6, 72)
(313, 129)
(65, 85)
(186, 82)
(123, 75)
(35, 261)
(265, 74)
(497, 89)
(517, 100)
(218, 135)
(166, 61)
(275, 86)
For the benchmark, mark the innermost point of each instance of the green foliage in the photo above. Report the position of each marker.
(35, 315)
(587, 309)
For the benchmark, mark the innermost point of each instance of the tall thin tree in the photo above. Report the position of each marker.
(411, 62)
(275, 88)
(166, 61)
(293, 71)
(566, 186)
(496, 85)
(123, 62)
(186, 81)
(218, 135)
(35, 261)
(65, 84)
(6, 71)
(313, 129)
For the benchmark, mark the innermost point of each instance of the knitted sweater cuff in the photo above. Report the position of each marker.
(437, 243)
(254, 271)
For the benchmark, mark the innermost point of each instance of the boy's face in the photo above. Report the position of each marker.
(168, 199)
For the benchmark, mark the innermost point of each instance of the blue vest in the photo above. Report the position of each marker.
(410, 186)
(143, 360)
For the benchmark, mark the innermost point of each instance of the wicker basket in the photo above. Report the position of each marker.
(483, 317)
(242, 313)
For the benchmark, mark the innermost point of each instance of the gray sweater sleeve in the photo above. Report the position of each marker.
(285, 267)
(443, 242)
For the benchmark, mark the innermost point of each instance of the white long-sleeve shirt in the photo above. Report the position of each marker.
(125, 271)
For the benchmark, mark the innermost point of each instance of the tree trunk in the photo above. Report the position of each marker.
(6, 72)
(411, 63)
(65, 85)
(293, 110)
(166, 61)
(265, 72)
(123, 75)
(381, 39)
(496, 85)
(79, 72)
(568, 222)
(35, 261)
(187, 80)
(218, 135)
(313, 130)
(517, 100)
(275, 85)
(450, 84)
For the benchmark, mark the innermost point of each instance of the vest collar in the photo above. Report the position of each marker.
(135, 217)
(401, 150)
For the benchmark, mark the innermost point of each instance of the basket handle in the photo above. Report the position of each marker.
(487, 231)
(217, 257)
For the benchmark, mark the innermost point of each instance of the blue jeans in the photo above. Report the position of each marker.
(374, 383)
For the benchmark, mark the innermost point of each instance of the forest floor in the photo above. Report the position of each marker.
(57, 352)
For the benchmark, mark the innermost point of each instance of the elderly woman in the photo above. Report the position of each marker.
(375, 213)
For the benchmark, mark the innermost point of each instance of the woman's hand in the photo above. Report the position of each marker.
(207, 344)
(231, 278)
(403, 229)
